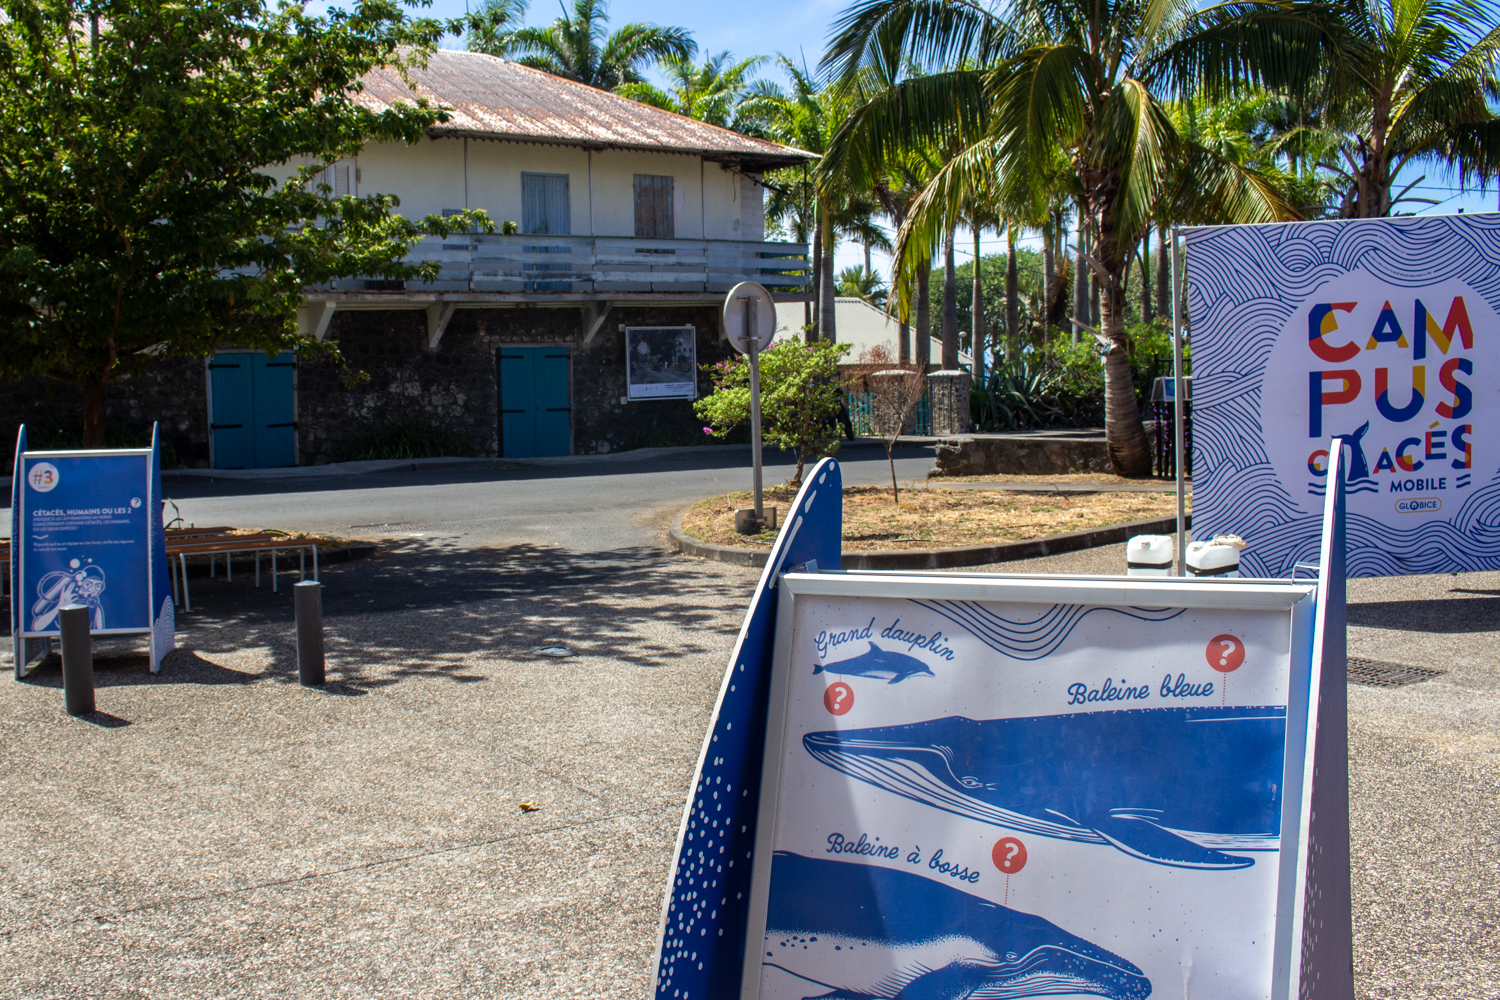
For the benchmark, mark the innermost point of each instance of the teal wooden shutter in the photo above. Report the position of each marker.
(554, 412)
(232, 412)
(517, 402)
(275, 409)
(545, 208)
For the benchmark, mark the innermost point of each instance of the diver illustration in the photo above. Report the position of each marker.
(80, 583)
(1203, 786)
(878, 663)
(861, 932)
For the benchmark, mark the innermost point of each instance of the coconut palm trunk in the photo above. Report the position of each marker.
(1146, 311)
(1129, 450)
(815, 270)
(1049, 269)
(827, 288)
(924, 316)
(1081, 281)
(1163, 279)
(976, 315)
(1012, 296)
(950, 305)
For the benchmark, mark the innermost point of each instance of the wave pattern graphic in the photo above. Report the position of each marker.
(1244, 283)
(1034, 639)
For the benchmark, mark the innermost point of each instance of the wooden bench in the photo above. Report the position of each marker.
(184, 542)
(214, 542)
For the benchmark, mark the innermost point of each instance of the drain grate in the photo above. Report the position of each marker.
(1377, 673)
(386, 528)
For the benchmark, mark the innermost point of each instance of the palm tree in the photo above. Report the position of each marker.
(578, 46)
(805, 117)
(1414, 81)
(1087, 81)
(712, 92)
(862, 283)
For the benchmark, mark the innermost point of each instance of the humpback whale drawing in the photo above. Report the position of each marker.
(860, 932)
(878, 663)
(1175, 786)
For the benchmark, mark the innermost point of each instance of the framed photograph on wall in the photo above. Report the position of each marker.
(661, 362)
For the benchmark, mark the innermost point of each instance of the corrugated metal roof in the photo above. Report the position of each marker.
(494, 98)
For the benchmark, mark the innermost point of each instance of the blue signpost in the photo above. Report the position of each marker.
(86, 529)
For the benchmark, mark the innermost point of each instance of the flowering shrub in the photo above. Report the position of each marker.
(800, 394)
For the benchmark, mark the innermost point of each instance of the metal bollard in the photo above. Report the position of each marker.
(77, 659)
(308, 599)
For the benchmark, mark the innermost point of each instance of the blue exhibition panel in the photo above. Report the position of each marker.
(1005, 785)
(86, 530)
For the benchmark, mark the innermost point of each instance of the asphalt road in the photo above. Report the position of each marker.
(588, 506)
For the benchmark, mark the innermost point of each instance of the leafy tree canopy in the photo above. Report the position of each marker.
(800, 396)
(141, 142)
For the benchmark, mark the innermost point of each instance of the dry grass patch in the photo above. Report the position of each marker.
(936, 518)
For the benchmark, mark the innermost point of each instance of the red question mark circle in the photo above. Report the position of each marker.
(1225, 653)
(1009, 855)
(839, 698)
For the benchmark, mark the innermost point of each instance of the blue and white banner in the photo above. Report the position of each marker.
(87, 530)
(1383, 331)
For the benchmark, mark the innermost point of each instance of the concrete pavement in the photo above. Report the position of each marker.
(221, 832)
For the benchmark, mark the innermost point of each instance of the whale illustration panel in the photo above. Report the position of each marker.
(984, 799)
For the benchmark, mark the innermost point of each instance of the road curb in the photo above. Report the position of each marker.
(962, 555)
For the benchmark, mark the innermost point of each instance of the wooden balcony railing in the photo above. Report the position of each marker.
(599, 264)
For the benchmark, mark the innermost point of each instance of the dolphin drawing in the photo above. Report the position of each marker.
(1174, 786)
(848, 931)
(878, 663)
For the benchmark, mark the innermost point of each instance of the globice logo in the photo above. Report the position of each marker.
(1392, 371)
(42, 476)
(1420, 505)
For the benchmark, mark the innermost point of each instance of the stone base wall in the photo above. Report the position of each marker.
(388, 372)
(1023, 455)
(173, 393)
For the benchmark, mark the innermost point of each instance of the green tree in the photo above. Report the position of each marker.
(800, 396)
(805, 116)
(1414, 81)
(712, 92)
(862, 283)
(1087, 81)
(141, 215)
(579, 46)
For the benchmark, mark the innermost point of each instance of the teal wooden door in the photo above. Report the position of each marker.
(535, 409)
(253, 419)
(230, 420)
(554, 414)
(274, 413)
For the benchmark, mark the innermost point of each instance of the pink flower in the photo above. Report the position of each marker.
(708, 430)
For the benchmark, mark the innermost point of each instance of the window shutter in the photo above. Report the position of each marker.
(653, 207)
(545, 207)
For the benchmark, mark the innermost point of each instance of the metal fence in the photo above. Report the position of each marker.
(861, 415)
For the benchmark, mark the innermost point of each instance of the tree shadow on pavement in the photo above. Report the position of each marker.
(422, 606)
(1455, 615)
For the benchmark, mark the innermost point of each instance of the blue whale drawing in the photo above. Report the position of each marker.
(860, 932)
(1175, 786)
(878, 663)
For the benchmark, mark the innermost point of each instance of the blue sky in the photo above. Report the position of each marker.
(799, 29)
